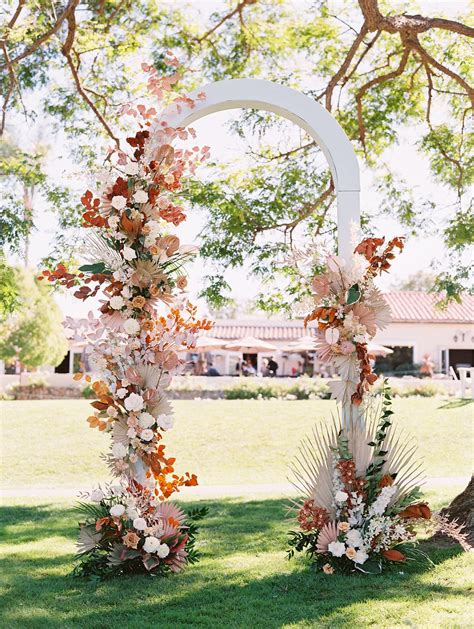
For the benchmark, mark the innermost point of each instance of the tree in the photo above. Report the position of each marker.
(375, 66)
(33, 333)
(420, 281)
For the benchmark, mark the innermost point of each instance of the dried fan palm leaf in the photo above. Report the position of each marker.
(88, 539)
(327, 535)
(96, 249)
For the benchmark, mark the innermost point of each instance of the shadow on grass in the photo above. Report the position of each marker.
(456, 404)
(243, 579)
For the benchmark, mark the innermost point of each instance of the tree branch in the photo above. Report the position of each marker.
(238, 10)
(66, 51)
(70, 8)
(377, 81)
(344, 66)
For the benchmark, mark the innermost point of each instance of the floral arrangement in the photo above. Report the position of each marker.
(361, 494)
(127, 531)
(349, 309)
(135, 345)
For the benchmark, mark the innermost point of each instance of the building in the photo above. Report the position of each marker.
(418, 328)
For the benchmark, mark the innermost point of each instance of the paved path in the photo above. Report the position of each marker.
(215, 491)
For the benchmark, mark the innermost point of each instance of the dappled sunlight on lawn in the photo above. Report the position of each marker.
(243, 577)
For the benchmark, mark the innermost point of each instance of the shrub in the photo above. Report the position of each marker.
(38, 382)
(88, 392)
(302, 389)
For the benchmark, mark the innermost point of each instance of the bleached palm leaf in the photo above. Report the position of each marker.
(327, 535)
(119, 432)
(88, 539)
(311, 471)
(96, 249)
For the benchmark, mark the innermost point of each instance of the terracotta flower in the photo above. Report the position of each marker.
(131, 539)
(181, 282)
(139, 301)
(320, 286)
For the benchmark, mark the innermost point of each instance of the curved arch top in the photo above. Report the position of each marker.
(303, 111)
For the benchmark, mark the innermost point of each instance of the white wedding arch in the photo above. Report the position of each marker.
(317, 122)
(303, 111)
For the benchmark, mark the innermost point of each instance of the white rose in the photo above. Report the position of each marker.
(134, 402)
(337, 549)
(151, 544)
(154, 228)
(139, 524)
(354, 538)
(112, 411)
(119, 202)
(146, 420)
(132, 513)
(141, 196)
(116, 302)
(132, 433)
(341, 496)
(165, 421)
(128, 253)
(163, 551)
(121, 393)
(146, 435)
(131, 326)
(97, 495)
(117, 510)
(131, 168)
(119, 451)
(361, 557)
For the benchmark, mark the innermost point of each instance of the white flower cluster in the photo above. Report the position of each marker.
(380, 504)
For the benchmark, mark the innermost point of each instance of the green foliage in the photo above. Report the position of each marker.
(33, 333)
(9, 290)
(257, 211)
(302, 389)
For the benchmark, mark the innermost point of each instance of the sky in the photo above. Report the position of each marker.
(212, 130)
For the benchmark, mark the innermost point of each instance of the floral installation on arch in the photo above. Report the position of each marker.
(349, 310)
(359, 478)
(137, 263)
(361, 495)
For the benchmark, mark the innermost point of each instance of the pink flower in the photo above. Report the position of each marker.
(346, 347)
(320, 285)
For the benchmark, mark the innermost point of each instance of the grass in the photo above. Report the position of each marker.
(49, 443)
(243, 579)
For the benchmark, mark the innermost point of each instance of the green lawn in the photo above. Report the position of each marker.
(49, 443)
(243, 579)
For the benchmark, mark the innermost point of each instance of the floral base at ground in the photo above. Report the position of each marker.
(125, 530)
(361, 496)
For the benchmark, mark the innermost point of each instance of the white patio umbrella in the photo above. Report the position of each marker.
(208, 343)
(304, 344)
(378, 350)
(250, 345)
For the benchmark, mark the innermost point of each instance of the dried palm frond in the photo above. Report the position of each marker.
(96, 249)
(167, 510)
(327, 535)
(119, 432)
(312, 470)
(88, 539)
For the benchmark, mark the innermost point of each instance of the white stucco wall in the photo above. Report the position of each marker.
(428, 338)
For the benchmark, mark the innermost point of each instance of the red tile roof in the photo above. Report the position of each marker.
(406, 306)
(420, 307)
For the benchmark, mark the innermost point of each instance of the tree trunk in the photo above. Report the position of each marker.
(461, 509)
